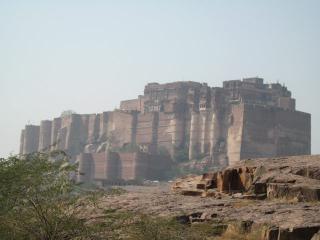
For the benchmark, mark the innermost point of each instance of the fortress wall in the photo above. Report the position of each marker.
(145, 128)
(133, 165)
(214, 132)
(103, 125)
(259, 133)
(120, 128)
(155, 126)
(194, 143)
(134, 125)
(272, 132)
(75, 134)
(157, 165)
(21, 141)
(66, 120)
(45, 135)
(56, 125)
(205, 122)
(223, 114)
(100, 165)
(31, 139)
(85, 127)
(178, 125)
(93, 127)
(112, 165)
(293, 133)
(235, 133)
(287, 103)
(128, 165)
(61, 139)
(106, 165)
(166, 131)
(132, 105)
(86, 167)
(228, 127)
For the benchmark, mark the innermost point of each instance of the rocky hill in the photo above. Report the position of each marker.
(281, 194)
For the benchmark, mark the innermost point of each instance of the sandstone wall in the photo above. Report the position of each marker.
(147, 130)
(31, 139)
(235, 133)
(93, 128)
(98, 166)
(293, 133)
(271, 132)
(133, 104)
(133, 165)
(56, 126)
(120, 126)
(45, 135)
(86, 167)
(22, 141)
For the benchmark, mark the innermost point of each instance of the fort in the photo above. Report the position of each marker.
(243, 119)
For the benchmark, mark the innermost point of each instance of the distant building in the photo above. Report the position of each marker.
(243, 119)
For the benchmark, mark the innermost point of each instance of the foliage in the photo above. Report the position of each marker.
(38, 199)
(135, 226)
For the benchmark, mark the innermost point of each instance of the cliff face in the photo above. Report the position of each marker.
(243, 119)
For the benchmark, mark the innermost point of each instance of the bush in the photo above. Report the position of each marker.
(38, 199)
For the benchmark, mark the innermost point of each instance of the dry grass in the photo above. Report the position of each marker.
(243, 203)
(234, 232)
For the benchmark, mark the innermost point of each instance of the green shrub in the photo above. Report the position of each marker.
(38, 199)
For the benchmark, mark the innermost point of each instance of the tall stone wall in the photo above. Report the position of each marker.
(120, 128)
(269, 132)
(133, 165)
(86, 171)
(293, 132)
(133, 104)
(31, 139)
(45, 135)
(235, 136)
(146, 131)
(98, 166)
(22, 141)
(194, 140)
(56, 126)
(93, 128)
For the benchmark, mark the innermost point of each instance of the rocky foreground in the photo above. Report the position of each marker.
(281, 193)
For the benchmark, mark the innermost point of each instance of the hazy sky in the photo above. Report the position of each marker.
(89, 55)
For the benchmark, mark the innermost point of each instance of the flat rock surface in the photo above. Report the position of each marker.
(159, 200)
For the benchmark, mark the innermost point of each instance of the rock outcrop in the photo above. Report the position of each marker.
(290, 178)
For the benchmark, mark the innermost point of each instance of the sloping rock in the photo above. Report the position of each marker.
(295, 178)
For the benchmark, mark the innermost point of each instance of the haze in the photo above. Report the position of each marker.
(89, 55)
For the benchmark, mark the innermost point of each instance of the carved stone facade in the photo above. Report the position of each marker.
(243, 119)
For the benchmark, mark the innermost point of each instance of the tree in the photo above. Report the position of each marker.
(38, 198)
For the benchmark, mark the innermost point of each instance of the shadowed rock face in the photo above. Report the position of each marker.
(288, 178)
